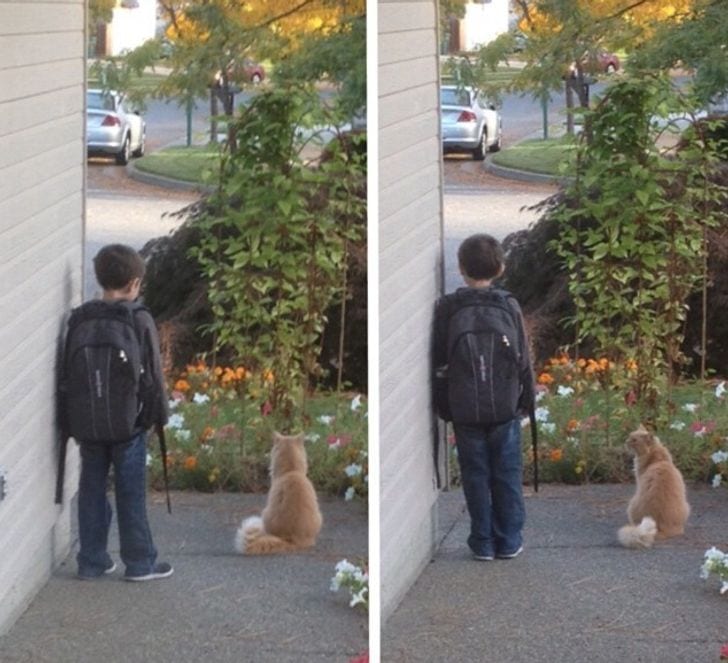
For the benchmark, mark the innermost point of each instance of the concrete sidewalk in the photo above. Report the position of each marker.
(574, 595)
(218, 606)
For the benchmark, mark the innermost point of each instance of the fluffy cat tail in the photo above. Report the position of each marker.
(251, 539)
(638, 536)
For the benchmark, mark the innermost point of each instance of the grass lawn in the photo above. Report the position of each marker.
(537, 155)
(181, 163)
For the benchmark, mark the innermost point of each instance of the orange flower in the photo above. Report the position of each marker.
(218, 371)
(631, 365)
(572, 425)
(182, 385)
(545, 378)
(190, 463)
(581, 362)
(604, 363)
(207, 433)
(556, 455)
(268, 375)
(241, 373)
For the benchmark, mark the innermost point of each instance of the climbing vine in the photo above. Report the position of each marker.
(275, 242)
(633, 229)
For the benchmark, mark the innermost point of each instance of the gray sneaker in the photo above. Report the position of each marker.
(161, 570)
(106, 572)
(510, 555)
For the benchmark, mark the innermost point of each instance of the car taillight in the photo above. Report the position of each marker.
(467, 116)
(111, 121)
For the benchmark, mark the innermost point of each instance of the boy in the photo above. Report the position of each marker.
(483, 378)
(119, 271)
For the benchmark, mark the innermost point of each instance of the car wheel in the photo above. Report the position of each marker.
(256, 78)
(122, 157)
(139, 152)
(480, 151)
(495, 147)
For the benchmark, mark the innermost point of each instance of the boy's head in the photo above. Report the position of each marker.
(481, 258)
(119, 270)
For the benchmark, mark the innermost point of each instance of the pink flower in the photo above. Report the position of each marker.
(334, 441)
(630, 398)
(178, 395)
(226, 432)
(266, 408)
(362, 658)
(699, 428)
(724, 653)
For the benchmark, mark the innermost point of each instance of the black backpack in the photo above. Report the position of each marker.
(103, 377)
(104, 381)
(484, 354)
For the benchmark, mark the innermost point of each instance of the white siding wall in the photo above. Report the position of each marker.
(410, 240)
(42, 157)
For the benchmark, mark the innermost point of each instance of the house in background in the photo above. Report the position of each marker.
(484, 20)
(410, 259)
(133, 23)
(42, 162)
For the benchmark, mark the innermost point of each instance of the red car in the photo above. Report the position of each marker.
(608, 62)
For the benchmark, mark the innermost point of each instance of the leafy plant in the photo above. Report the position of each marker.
(275, 242)
(630, 237)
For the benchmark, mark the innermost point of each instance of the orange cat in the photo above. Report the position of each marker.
(659, 508)
(291, 519)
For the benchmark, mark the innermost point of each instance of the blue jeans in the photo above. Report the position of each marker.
(94, 510)
(491, 467)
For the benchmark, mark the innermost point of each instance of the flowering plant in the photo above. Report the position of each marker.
(355, 579)
(720, 460)
(716, 562)
(724, 653)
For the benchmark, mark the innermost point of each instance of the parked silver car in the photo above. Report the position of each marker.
(469, 122)
(111, 129)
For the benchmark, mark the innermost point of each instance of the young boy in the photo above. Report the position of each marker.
(119, 271)
(483, 378)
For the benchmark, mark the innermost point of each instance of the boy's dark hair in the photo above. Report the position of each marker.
(117, 265)
(481, 257)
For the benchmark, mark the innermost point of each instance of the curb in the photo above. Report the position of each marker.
(165, 182)
(523, 175)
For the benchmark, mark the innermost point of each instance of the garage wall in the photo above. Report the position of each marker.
(410, 241)
(42, 161)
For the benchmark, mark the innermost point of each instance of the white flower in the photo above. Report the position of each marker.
(690, 407)
(200, 398)
(540, 395)
(719, 457)
(564, 391)
(548, 427)
(345, 566)
(173, 403)
(176, 421)
(542, 414)
(183, 434)
(353, 470)
(312, 437)
(677, 425)
(326, 419)
(716, 480)
(715, 555)
(349, 494)
(206, 448)
(149, 460)
(724, 587)
(720, 389)
(360, 597)
(356, 403)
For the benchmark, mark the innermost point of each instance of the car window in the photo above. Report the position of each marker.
(99, 101)
(454, 97)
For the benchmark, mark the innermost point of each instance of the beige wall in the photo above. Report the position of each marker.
(410, 240)
(42, 158)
